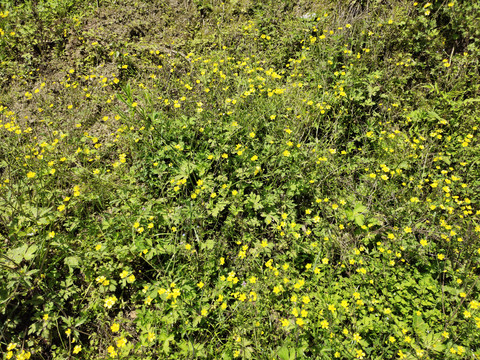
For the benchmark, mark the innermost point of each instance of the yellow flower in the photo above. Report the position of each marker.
(121, 342)
(299, 284)
(111, 351)
(300, 322)
(110, 301)
(362, 270)
(31, 175)
(115, 327)
(474, 304)
(151, 336)
(77, 349)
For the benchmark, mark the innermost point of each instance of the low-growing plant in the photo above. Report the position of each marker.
(276, 180)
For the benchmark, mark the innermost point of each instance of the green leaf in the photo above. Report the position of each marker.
(226, 355)
(30, 253)
(196, 320)
(359, 208)
(166, 344)
(420, 327)
(72, 261)
(17, 254)
(359, 219)
(209, 244)
(218, 208)
(349, 214)
(433, 341)
(284, 353)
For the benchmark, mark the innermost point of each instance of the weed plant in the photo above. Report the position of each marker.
(239, 179)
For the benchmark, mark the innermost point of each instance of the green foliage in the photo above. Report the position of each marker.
(274, 180)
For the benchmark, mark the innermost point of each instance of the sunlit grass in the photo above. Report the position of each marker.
(296, 186)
